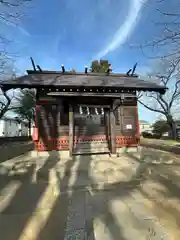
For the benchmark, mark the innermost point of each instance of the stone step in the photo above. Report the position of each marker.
(90, 151)
(91, 147)
(91, 144)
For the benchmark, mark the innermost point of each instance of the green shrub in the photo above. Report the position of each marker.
(147, 135)
(156, 136)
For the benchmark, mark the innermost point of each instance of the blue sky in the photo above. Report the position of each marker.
(73, 32)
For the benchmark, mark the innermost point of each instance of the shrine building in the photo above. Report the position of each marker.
(84, 112)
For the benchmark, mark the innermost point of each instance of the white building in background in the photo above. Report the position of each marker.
(11, 127)
(144, 126)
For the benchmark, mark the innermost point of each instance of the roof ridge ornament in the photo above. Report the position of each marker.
(34, 66)
(63, 68)
(109, 70)
(134, 69)
(86, 70)
(128, 72)
(39, 68)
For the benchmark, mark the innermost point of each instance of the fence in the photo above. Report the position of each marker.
(4, 140)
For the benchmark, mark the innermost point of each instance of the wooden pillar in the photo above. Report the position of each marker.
(112, 131)
(36, 118)
(137, 124)
(71, 125)
(107, 126)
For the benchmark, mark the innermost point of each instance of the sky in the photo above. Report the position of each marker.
(75, 32)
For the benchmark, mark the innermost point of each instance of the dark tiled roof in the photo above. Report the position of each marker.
(81, 80)
(86, 94)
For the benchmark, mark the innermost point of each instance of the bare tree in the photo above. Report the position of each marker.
(168, 104)
(5, 102)
(25, 106)
(11, 12)
(168, 29)
(8, 101)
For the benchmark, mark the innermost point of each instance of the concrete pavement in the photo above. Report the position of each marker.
(85, 197)
(160, 145)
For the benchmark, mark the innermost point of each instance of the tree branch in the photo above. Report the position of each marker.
(5, 106)
(150, 108)
(161, 100)
(175, 94)
(169, 14)
(6, 96)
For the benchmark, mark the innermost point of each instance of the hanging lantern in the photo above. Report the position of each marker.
(80, 110)
(87, 109)
(96, 111)
(102, 111)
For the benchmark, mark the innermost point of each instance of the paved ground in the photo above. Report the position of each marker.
(12, 149)
(164, 145)
(86, 198)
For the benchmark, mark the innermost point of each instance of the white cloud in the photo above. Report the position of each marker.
(24, 31)
(10, 23)
(125, 29)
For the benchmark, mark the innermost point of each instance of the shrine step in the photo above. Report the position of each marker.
(91, 147)
(91, 144)
(90, 151)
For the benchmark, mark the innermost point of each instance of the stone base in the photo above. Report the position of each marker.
(113, 155)
(127, 149)
(60, 154)
(66, 154)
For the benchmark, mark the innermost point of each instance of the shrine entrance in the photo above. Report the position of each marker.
(91, 129)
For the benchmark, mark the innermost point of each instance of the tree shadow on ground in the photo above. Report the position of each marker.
(93, 205)
(97, 202)
(82, 215)
(27, 198)
(159, 146)
(54, 214)
(15, 149)
(83, 208)
(161, 184)
(18, 209)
